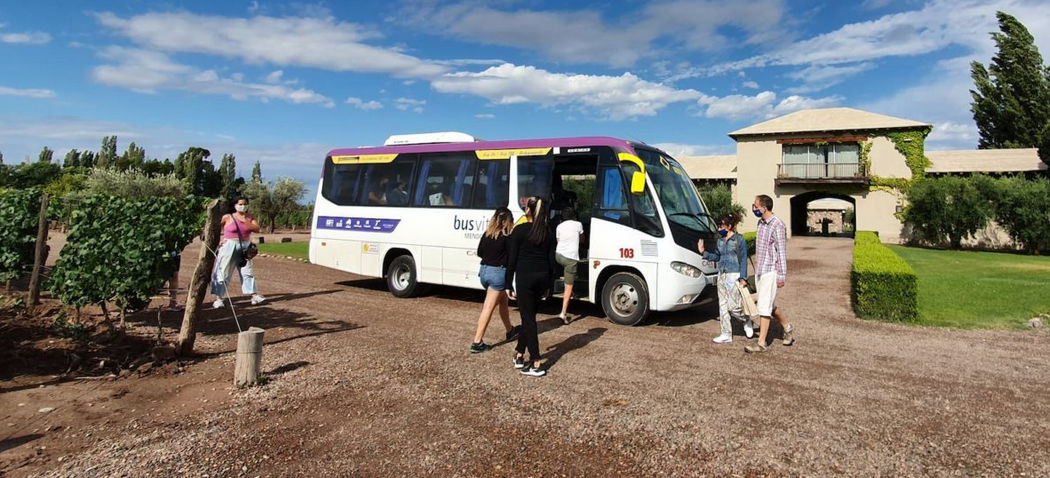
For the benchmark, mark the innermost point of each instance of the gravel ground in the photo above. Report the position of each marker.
(361, 383)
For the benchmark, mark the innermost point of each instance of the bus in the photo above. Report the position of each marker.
(412, 212)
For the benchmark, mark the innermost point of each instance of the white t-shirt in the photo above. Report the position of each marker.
(568, 234)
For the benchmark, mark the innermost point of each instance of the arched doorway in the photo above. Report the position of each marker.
(820, 213)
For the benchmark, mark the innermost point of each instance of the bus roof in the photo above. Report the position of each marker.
(483, 145)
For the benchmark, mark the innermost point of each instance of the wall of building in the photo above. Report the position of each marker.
(757, 168)
(886, 161)
(816, 218)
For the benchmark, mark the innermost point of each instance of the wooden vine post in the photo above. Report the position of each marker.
(249, 357)
(198, 286)
(38, 258)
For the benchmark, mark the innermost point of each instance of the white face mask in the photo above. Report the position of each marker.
(241, 207)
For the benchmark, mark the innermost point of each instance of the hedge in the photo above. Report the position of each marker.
(750, 238)
(884, 286)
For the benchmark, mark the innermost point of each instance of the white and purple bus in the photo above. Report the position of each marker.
(413, 210)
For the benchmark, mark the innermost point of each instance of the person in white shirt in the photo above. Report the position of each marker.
(567, 254)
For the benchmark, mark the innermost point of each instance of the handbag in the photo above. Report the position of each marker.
(247, 253)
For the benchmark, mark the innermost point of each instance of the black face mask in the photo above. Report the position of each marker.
(756, 212)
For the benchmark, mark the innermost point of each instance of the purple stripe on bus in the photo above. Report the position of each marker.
(512, 144)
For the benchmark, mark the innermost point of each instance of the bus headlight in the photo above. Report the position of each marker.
(686, 269)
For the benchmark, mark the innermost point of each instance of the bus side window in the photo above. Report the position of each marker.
(612, 198)
(340, 183)
(534, 178)
(644, 210)
(445, 180)
(493, 186)
(387, 184)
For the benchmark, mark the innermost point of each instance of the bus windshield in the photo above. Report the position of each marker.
(680, 201)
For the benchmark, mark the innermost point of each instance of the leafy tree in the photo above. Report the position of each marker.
(72, 159)
(1023, 209)
(71, 181)
(1011, 102)
(134, 184)
(88, 159)
(719, 200)
(257, 173)
(107, 155)
(133, 158)
(193, 166)
(46, 155)
(947, 208)
(37, 174)
(231, 183)
(271, 200)
(156, 167)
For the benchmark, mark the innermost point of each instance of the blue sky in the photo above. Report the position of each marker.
(285, 82)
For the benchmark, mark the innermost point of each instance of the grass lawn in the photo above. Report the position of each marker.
(294, 249)
(979, 289)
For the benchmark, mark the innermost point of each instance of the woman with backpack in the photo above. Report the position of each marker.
(530, 257)
(731, 256)
(234, 253)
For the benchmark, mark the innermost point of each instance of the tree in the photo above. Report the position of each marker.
(133, 158)
(1021, 207)
(87, 159)
(948, 208)
(274, 199)
(72, 159)
(37, 174)
(46, 155)
(1011, 100)
(719, 200)
(257, 173)
(192, 165)
(107, 155)
(228, 174)
(156, 167)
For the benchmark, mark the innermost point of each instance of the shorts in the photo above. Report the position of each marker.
(767, 293)
(570, 268)
(493, 277)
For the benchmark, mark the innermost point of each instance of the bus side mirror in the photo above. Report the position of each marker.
(637, 183)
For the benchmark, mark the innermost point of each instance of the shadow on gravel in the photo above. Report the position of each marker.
(555, 352)
(288, 367)
(18, 441)
(370, 284)
(283, 297)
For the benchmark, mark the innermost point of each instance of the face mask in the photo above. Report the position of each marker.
(757, 212)
(722, 232)
(241, 207)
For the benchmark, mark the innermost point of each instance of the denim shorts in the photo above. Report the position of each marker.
(493, 278)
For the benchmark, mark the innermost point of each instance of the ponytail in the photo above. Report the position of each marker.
(539, 232)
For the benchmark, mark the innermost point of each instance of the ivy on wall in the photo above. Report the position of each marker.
(911, 145)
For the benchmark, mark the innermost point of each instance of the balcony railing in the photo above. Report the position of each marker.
(821, 172)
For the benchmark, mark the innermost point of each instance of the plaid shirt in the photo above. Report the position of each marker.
(771, 247)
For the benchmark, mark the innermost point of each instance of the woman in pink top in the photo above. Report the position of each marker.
(237, 229)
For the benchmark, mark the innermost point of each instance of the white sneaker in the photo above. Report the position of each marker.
(723, 339)
(749, 328)
(217, 304)
(258, 299)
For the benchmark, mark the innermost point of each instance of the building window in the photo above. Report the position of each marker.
(834, 160)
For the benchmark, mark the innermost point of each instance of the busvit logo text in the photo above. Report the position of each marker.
(464, 224)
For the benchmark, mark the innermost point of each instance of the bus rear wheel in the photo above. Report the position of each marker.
(625, 298)
(401, 277)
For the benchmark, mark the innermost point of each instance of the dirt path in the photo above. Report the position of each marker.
(361, 383)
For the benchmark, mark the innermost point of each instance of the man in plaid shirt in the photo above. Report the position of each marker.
(770, 270)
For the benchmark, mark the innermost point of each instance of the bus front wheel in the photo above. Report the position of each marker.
(401, 277)
(625, 298)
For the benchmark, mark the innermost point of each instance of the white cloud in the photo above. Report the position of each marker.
(274, 77)
(312, 42)
(750, 84)
(585, 36)
(25, 38)
(149, 71)
(816, 78)
(405, 104)
(485, 116)
(761, 106)
(953, 135)
(678, 150)
(27, 93)
(364, 105)
(618, 97)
